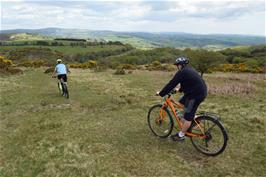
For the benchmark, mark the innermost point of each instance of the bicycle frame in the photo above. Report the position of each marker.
(173, 106)
(61, 82)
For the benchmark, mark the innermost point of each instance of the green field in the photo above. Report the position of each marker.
(102, 129)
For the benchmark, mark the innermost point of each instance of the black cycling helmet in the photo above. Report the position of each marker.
(183, 61)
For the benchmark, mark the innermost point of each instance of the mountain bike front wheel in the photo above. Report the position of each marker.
(215, 135)
(160, 121)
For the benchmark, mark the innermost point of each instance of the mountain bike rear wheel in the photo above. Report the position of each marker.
(65, 90)
(216, 137)
(160, 121)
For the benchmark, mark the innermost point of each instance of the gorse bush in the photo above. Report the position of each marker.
(156, 65)
(35, 63)
(89, 64)
(127, 66)
(7, 68)
(5, 63)
(238, 68)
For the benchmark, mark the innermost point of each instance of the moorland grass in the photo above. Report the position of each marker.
(102, 129)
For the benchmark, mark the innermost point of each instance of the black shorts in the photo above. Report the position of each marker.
(191, 106)
(63, 76)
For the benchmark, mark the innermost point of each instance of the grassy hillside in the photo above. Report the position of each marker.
(27, 37)
(185, 40)
(71, 54)
(23, 37)
(102, 131)
(134, 41)
(149, 40)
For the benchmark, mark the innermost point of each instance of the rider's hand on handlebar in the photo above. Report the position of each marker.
(177, 88)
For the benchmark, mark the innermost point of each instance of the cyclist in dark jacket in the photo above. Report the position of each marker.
(194, 89)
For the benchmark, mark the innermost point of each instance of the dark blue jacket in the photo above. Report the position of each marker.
(192, 85)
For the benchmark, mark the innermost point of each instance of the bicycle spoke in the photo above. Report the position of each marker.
(215, 137)
(211, 127)
(160, 122)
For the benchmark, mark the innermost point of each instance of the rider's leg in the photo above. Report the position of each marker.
(62, 86)
(185, 126)
(65, 79)
(191, 106)
(64, 83)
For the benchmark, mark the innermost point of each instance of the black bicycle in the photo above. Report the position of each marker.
(62, 86)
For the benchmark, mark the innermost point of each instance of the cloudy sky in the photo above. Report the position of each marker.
(191, 16)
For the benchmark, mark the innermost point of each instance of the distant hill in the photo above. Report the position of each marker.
(23, 37)
(145, 40)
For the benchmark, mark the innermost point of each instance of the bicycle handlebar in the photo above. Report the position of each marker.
(172, 92)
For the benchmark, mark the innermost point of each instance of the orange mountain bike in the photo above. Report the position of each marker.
(206, 132)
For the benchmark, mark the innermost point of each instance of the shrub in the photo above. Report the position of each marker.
(238, 68)
(141, 67)
(127, 66)
(156, 65)
(49, 70)
(35, 63)
(89, 64)
(15, 71)
(237, 60)
(92, 64)
(5, 63)
(169, 67)
(100, 68)
(6, 67)
(75, 65)
(120, 71)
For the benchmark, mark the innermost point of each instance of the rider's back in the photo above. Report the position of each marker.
(191, 82)
(192, 85)
(61, 69)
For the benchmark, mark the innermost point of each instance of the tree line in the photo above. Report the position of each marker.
(61, 42)
(240, 59)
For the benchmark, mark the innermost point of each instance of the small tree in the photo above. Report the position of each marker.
(202, 60)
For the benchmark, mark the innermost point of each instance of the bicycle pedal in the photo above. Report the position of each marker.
(176, 138)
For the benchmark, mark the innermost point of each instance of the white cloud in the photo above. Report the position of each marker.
(196, 16)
